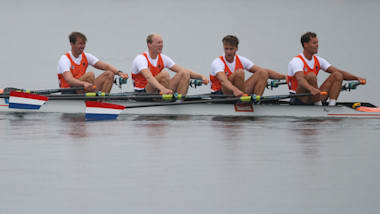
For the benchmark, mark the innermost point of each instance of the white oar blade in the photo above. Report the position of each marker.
(102, 111)
(22, 100)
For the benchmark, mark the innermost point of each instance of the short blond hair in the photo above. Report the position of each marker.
(149, 38)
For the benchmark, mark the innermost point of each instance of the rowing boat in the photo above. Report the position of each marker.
(264, 109)
(109, 106)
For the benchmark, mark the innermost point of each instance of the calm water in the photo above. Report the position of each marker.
(53, 163)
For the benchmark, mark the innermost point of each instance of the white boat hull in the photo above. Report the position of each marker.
(250, 110)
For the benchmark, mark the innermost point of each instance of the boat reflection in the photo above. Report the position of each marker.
(76, 125)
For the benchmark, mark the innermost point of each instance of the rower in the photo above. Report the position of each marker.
(227, 72)
(72, 68)
(303, 70)
(148, 74)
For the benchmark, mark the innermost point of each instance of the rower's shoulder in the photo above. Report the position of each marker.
(295, 59)
(320, 58)
(217, 60)
(63, 58)
(139, 58)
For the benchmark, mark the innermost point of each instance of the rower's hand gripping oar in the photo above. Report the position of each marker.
(194, 83)
(352, 85)
(275, 83)
(120, 81)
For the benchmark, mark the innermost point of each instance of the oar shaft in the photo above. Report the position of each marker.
(45, 91)
(185, 102)
(253, 99)
(51, 91)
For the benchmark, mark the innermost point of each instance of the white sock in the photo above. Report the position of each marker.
(319, 103)
(332, 102)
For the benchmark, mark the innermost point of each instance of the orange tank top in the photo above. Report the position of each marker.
(215, 83)
(139, 80)
(292, 81)
(76, 70)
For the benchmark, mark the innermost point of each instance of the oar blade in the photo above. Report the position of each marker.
(102, 111)
(22, 100)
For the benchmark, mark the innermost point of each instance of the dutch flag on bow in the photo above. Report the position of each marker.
(102, 111)
(22, 100)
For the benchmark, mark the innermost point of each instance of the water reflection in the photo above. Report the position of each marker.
(160, 125)
(76, 126)
(310, 133)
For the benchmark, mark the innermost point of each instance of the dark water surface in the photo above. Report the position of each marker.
(53, 163)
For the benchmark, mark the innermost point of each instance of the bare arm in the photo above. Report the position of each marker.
(193, 75)
(153, 81)
(275, 75)
(177, 68)
(108, 67)
(271, 73)
(346, 75)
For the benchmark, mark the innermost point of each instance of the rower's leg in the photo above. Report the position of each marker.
(256, 83)
(311, 78)
(180, 82)
(104, 81)
(163, 78)
(332, 85)
(237, 79)
(87, 77)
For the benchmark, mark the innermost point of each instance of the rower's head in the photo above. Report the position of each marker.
(230, 46)
(155, 43)
(78, 42)
(309, 42)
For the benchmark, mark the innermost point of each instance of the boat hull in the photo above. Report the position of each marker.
(209, 109)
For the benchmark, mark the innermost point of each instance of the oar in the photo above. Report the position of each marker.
(130, 96)
(7, 91)
(133, 96)
(275, 83)
(246, 99)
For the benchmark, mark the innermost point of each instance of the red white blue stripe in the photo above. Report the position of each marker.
(22, 100)
(102, 111)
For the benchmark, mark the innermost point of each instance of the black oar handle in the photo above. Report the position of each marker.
(351, 86)
(195, 82)
(275, 83)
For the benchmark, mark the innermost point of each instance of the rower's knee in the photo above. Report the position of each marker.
(91, 76)
(337, 76)
(262, 74)
(165, 75)
(109, 75)
(186, 75)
